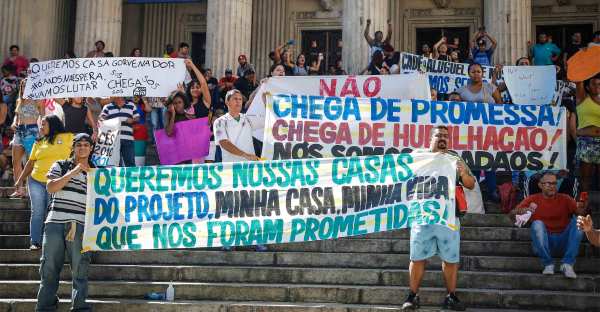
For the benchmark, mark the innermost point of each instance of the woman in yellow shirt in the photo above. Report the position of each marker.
(52, 145)
(588, 132)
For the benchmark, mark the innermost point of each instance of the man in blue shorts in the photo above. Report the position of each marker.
(428, 240)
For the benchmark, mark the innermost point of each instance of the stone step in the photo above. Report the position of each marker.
(14, 203)
(365, 245)
(21, 227)
(14, 215)
(292, 275)
(136, 305)
(346, 294)
(299, 259)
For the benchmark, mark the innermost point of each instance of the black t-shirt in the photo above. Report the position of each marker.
(200, 110)
(75, 118)
(572, 49)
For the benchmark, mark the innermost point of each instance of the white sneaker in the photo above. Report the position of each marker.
(548, 270)
(568, 271)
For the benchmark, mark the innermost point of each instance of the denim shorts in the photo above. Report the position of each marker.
(25, 136)
(429, 240)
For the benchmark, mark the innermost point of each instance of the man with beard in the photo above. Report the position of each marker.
(428, 240)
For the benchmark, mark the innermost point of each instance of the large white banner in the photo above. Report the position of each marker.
(404, 87)
(249, 203)
(487, 136)
(104, 77)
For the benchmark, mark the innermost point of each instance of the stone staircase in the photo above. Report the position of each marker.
(370, 273)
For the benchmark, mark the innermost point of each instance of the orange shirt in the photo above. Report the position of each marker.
(554, 212)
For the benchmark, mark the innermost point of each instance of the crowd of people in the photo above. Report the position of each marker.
(51, 151)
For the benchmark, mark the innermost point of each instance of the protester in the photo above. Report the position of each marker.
(595, 39)
(376, 64)
(177, 104)
(243, 66)
(434, 94)
(197, 92)
(478, 90)
(313, 52)
(542, 52)
(168, 51)
(523, 61)
(136, 52)
(427, 240)
(25, 125)
(426, 51)
(247, 84)
(275, 55)
(63, 233)
(479, 51)
(315, 66)
(99, 51)
(69, 54)
(301, 69)
(553, 227)
(233, 133)
(339, 70)
(54, 144)
(128, 115)
(157, 115)
(588, 131)
(140, 130)
(9, 84)
(586, 225)
(226, 82)
(286, 61)
(574, 47)
(376, 44)
(19, 62)
(76, 116)
(440, 50)
(182, 52)
(454, 97)
(455, 56)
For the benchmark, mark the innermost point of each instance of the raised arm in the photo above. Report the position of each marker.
(436, 46)
(388, 37)
(492, 40)
(366, 33)
(203, 85)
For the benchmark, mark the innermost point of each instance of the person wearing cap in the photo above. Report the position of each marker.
(226, 82)
(479, 52)
(67, 182)
(244, 66)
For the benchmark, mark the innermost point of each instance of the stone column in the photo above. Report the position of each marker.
(509, 22)
(10, 12)
(268, 31)
(228, 33)
(355, 53)
(98, 20)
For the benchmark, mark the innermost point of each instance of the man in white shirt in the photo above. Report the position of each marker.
(233, 131)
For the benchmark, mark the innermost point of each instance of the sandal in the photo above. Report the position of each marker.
(18, 193)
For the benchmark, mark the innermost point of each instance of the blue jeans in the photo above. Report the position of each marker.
(52, 261)
(38, 196)
(127, 153)
(546, 244)
(157, 119)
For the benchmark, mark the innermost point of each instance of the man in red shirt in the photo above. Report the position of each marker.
(20, 62)
(554, 227)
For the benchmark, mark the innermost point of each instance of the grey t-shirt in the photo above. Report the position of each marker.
(484, 95)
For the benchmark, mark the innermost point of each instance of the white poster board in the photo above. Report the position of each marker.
(530, 84)
(107, 150)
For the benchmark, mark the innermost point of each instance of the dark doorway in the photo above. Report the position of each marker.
(431, 36)
(329, 42)
(199, 48)
(561, 34)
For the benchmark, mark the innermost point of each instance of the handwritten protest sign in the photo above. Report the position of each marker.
(248, 203)
(530, 84)
(411, 86)
(108, 146)
(190, 140)
(487, 136)
(445, 77)
(103, 77)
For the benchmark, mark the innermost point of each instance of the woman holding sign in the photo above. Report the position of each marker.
(25, 125)
(54, 144)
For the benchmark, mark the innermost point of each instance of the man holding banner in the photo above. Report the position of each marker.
(428, 240)
(127, 113)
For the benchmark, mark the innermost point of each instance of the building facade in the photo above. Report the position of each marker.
(219, 30)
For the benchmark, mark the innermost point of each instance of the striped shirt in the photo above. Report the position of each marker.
(68, 204)
(128, 110)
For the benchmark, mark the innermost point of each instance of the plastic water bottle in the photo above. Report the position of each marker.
(170, 294)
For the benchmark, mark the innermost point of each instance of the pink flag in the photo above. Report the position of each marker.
(190, 140)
